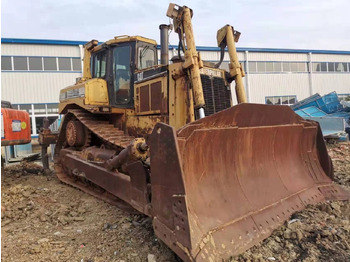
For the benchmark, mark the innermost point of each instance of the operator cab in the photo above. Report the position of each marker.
(116, 62)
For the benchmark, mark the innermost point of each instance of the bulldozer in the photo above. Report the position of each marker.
(165, 139)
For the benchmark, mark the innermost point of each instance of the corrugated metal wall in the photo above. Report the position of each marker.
(36, 87)
(40, 50)
(211, 56)
(330, 58)
(326, 83)
(43, 87)
(28, 87)
(262, 85)
(253, 56)
(215, 56)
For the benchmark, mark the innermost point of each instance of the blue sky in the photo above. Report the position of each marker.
(307, 24)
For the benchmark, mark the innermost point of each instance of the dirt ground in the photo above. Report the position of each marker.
(45, 220)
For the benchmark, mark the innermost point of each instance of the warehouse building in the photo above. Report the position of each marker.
(33, 71)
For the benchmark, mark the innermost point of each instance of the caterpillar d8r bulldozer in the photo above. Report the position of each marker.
(164, 138)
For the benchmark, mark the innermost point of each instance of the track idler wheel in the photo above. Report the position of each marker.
(75, 134)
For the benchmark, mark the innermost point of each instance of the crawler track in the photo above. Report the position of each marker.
(111, 137)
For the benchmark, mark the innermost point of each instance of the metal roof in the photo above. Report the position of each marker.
(41, 41)
(199, 48)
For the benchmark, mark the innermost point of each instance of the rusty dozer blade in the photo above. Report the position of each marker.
(223, 183)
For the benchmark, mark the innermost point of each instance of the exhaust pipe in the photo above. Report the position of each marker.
(164, 46)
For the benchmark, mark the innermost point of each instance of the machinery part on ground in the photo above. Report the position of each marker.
(15, 126)
(46, 138)
(213, 187)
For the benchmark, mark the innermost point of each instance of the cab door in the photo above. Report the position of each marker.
(123, 75)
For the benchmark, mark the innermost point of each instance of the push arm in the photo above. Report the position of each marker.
(227, 36)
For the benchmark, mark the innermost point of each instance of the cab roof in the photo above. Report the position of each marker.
(126, 38)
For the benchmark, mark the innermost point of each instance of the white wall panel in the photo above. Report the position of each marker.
(330, 58)
(210, 55)
(254, 56)
(34, 87)
(215, 56)
(40, 50)
(326, 83)
(262, 85)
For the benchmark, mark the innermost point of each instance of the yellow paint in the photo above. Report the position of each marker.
(228, 36)
(96, 95)
(96, 92)
(88, 48)
(124, 39)
(193, 60)
(181, 110)
(144, 124)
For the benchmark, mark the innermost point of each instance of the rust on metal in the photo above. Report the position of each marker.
(238, 175)
(144, 98)
(46, 137)
(157, 97)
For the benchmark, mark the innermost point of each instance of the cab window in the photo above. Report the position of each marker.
(146, 57)
(122, 75)
(99, 65)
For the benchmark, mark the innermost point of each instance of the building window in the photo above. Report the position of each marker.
(50, 63)
(64, 64)
(302, 67)
(341, 67)
(277, 67)
(280, 100)
(261, 67)
(330, 67)
(286, 67)
(20, 63)
(316, 67)
(323, 67)
(35, 63)
(6, 63)
(294, 67)
(26, 107)
(52, 108)
(39, 109)
(76, 64)
(32, 63)
(252, 67)
(269, 67)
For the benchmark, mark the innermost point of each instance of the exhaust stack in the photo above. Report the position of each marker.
(164, 51)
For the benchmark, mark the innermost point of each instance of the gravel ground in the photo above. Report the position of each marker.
(45, 220)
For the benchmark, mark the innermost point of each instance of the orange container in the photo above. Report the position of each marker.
(15, 127)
